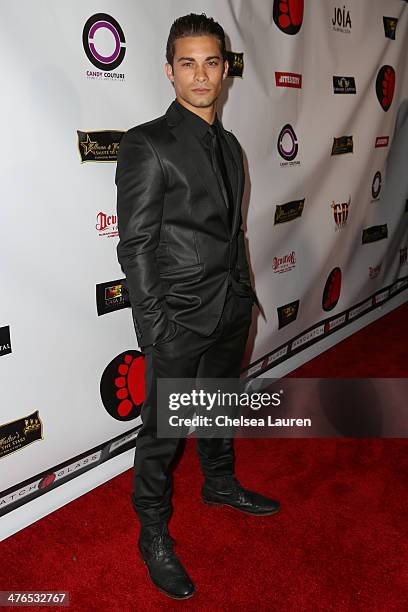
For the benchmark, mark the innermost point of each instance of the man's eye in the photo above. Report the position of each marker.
(213, 63)
(187, 64)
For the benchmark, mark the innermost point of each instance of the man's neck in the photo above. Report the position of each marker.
(207, 113)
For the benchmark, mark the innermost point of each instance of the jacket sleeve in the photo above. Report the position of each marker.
(242, 259)
(140, 195)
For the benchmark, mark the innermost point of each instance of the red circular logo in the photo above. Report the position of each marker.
(332, 289)
(123, 386)
(385, 86)
(46, 481)
(288, 15)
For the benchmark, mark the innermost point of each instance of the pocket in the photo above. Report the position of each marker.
(248, 292)
(137, 328)
(171, 335)
(183, 272)
(246, 303)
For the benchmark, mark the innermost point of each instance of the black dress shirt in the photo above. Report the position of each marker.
(200, 128)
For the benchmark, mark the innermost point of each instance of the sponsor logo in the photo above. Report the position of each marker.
(288, 146)
(399, 286)
(106, 76)
(308, 336)
(235, 64)
(284, 263)
(49, 479)
(106, 225)
(341, 20)
(402, 284)
(354, 312)
(288, 79)
(330, 325)
(374, 233)
(344, 85)
(381, 141)
(288, 15)
(277, 355)
(107, 57)
(332, 289)
(374, 271)
(342, 145)
(390, 26)
(385, 86)
(100, 146)
(111, 296)
(98, 55)
(289, 211)
(381, 297)
(255, 368)
(5, 341)
(123, 440)
(20, 433)
(287, 313)
(122, 385)
(340, 212)
(403, 256)
(376, 186)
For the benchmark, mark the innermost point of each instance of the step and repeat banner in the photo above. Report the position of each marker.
(317, 95)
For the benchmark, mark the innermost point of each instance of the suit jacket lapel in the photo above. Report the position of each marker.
(195, 158)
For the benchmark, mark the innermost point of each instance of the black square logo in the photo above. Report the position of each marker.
(5, 342)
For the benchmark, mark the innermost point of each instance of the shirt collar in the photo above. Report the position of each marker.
(198, 125)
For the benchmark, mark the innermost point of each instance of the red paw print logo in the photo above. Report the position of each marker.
(288, 15)
(123, 386)
(332, 289)
(385, 86)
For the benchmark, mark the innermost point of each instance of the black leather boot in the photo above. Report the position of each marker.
(227, 491)
(165, 570)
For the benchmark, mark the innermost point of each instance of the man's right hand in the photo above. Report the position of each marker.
(170, 333)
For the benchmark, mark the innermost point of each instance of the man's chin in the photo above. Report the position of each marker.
(201, 102)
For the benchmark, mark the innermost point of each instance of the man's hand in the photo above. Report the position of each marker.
(167, 337)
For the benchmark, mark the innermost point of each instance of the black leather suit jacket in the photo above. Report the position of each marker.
(175, 247)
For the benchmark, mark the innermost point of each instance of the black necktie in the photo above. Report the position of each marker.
(218, 163)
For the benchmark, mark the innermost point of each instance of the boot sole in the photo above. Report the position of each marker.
(213, 503)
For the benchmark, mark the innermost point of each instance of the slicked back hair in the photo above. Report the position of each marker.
(194, 25)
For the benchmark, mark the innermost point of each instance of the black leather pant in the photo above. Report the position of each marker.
(186, 355)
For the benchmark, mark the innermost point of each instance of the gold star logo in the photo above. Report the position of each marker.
(88, 145)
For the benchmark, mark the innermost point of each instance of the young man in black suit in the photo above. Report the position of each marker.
(180, 181)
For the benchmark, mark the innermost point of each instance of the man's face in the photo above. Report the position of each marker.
(198, 70)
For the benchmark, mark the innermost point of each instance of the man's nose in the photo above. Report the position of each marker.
(200, 74)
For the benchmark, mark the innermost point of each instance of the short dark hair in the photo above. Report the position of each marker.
(194, 25)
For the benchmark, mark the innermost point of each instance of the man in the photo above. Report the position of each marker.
(180, 182)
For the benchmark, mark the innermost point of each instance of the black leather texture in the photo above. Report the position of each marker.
(177, 247)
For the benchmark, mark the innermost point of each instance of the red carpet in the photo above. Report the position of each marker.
(377, 351)
(338, 544)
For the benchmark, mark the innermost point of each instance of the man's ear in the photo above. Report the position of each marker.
(169, 72)
(226, 67)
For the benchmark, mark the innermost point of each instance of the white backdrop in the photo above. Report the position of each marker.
(53, 255)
